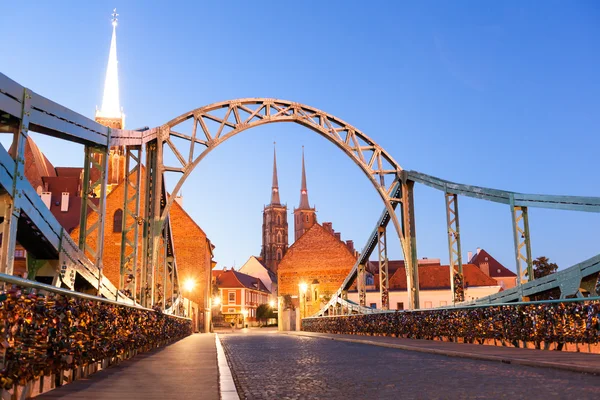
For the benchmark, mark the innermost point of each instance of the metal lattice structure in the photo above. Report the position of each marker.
(156, 283)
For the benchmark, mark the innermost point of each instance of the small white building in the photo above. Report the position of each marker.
(434, 285)
(255, 268)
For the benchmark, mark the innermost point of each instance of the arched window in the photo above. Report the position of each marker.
(118, 221)
(278, 237)
(279, 219)
(307, 218)
(278, 255)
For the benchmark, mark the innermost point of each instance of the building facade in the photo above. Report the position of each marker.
(240, 295)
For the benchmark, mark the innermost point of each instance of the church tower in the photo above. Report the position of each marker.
(111, 114)
(274, 227)
(304, 216)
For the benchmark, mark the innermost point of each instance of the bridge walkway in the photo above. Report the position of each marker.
(565, 360)
(184, 370)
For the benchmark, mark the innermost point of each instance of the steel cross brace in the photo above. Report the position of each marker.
(95, 158)
(13, 210)
(520, 222)
(454, 248)
(383, 268)
(131, 221)
(361, 285)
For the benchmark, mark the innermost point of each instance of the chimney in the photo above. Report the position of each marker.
(64, 203)
(47, 198)
(350, 245)
(338, 235)
(485, 268)
(328, 226)
(478, 250)
(469, 256)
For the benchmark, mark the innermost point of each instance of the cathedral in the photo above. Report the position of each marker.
(318, 257)
(275, 225)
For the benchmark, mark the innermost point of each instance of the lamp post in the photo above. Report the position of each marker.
(303, 288)
(188, 285)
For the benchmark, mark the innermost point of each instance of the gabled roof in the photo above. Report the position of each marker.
(236, 279)
(436, 277)
(272, 275)
(497, 270)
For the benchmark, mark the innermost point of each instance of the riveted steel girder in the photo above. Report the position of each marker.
(520, 223)
(131, 222)
(454, 249)
(384, 286)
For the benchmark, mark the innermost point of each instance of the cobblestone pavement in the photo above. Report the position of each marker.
(274, 366)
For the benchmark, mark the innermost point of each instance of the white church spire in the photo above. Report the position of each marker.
(111, 107)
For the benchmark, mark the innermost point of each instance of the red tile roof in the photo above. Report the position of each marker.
(236, 279)
(436, 277)
(497, 270)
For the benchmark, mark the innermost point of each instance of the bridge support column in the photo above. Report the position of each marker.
(95, 158)
(131, 222)
(13, 204)
(383, 268)
(152, 221)
(361, 285)
(411, 261)
(520, 222)
(454, 248)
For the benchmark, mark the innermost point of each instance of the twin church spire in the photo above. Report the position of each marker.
(275, 226)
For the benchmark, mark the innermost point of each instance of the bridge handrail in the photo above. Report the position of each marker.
(15, 280)
(471, 306)
(575, 203)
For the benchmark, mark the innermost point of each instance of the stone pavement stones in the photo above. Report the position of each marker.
(570, 361)
(277, 366)
(183, 370)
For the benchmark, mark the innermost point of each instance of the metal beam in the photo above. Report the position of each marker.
(520, 223)
(454, 248)
(131, 222)
(13, 208)
(411, 261)
(384, 286)
(361, 285)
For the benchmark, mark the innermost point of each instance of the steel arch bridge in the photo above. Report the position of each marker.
(22, 110)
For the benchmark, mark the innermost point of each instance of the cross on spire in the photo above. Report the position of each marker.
(114, 17)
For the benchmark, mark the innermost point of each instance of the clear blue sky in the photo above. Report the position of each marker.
(497, 94)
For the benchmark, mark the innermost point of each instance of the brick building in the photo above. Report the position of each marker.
(240, 296)
(321, 260)
(492, 268)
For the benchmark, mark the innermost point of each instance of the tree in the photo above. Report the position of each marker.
(543, 267)
(264, 312)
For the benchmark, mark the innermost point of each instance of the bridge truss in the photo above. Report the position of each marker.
(188, 139)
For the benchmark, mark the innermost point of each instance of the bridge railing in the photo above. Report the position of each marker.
(545, 324)
(50, 336)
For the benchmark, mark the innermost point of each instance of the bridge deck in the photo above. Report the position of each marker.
(184, 370)
(570, 361)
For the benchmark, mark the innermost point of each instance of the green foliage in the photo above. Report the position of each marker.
(543, 267)
(288, 304)
(264, 312)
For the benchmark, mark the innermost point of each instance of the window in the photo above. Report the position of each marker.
(315, 295)
(118, 221)
(231, 310)
(443, 303)
(278, 255)
(307, 218)
(369, 279)
(232, 297)
(19, 253)
(428, 304)
(279, 219)
(400, 306)
(373, 305)
(501, 282)
(278, 237)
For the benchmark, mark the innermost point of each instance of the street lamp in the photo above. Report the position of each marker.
(272, 304)
(303, 288)
(188, 286)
